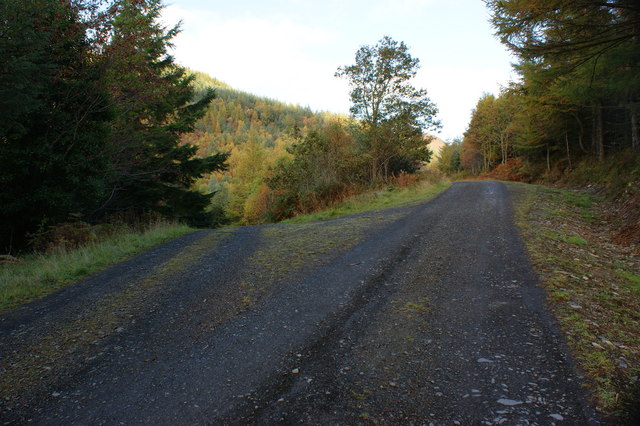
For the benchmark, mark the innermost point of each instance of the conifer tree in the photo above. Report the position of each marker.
(581, 58)
(154, 100)
(53, 118)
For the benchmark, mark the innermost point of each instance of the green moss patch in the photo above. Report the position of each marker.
(593, 286)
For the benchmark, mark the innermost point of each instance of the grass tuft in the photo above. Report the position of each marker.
(576, 240)
(632, 280)
(379, 199)
(37, 275)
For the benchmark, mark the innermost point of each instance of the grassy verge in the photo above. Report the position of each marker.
(379, 199)
(35, 276)
(593, 287)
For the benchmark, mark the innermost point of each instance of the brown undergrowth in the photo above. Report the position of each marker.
(513, 170)
(629, 214)
(616, 179)
(593, 286)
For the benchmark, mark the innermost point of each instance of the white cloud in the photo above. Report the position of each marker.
(384, 10)
(456, 91)
(274, 59)
(292, 53)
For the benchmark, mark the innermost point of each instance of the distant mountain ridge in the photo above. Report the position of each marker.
(435, 146)
(235, 116)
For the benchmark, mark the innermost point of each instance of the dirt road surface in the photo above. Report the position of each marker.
(427, 314)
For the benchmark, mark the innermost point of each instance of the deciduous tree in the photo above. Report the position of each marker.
(394, 114)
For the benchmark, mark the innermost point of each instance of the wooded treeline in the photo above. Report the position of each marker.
(286, 160)
(99, 124)
(92, 110)
(256, 132)
(578, 94)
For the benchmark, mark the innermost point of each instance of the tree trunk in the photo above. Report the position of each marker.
(566, 139)
(635, 137)
(580, 134)
(548, 159)
(598, 138)
(506, 147)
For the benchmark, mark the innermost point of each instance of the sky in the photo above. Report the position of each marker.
(289, 50)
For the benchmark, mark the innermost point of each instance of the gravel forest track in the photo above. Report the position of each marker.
(423, 314)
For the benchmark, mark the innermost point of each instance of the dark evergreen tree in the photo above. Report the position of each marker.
(581, 58)
(154, 99)
(53, 115)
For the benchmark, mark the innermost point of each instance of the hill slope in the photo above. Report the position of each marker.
(255, 131)
(435, 146)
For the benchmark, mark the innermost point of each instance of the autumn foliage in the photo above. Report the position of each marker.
(512, 170)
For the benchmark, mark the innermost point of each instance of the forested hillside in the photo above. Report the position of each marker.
(256, 132)
(286, 160)
(234, 117)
